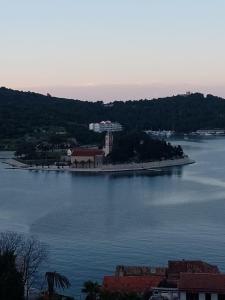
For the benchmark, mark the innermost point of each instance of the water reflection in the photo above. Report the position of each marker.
(176, 171)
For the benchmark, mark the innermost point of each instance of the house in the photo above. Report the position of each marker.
(202, 286)
(87, 157)
(175, 268)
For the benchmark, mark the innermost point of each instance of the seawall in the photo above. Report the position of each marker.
(148, 166)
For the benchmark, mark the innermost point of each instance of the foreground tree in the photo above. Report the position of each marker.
(92, 290)
(33, 254)
(11, 281)
(56, 280)
(29, 254)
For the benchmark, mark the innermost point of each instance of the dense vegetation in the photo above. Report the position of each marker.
(34, 116)
(140, 147)
(11, 281)
(20, 259)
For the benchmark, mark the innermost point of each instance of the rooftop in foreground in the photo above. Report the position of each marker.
(137, 284)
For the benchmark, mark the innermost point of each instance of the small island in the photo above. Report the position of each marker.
(120, 151)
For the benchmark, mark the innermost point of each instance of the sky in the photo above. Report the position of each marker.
(113, 49)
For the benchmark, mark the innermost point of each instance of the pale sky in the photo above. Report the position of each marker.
(113, 49)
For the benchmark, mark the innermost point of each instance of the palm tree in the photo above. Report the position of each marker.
(92, 290)
(56, 280)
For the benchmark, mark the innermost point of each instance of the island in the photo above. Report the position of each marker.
(122, 151)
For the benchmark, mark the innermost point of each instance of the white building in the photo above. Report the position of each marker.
(105, 126)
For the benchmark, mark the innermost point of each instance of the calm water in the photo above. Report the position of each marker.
(93, 223)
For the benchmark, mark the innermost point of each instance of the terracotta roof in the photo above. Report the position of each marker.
(87, 152)
(190, 266)
(193, 282)
(129, 284)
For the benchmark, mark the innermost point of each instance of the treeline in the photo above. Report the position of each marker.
(140, 147)
(27, 114)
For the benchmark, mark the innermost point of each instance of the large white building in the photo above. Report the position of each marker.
(105, 126)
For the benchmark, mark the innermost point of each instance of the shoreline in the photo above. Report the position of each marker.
(130, 167)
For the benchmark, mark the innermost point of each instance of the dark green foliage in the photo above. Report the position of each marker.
(91, 289)
(11, 282)
(140, 147)
(119, 296)
(26, 148)
(34, 115)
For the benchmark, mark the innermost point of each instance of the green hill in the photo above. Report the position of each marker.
(27, 115)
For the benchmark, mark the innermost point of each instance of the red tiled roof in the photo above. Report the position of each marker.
(194, 282)
(191, 266)
(87, 152)
(137, 284)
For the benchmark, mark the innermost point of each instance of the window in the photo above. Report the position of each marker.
(207, 296)
(221, 297)
(192, 296)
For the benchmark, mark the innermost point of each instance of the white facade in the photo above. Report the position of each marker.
(107, 126)
(201, 296)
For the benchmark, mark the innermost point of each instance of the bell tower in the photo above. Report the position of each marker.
(108, 143)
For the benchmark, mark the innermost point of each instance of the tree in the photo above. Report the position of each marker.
(56, 280)
(26, 149)
(29, 253)
(92, 290)
(30, 115)
(10, 242)
(137, 146)
(11, 282)
(33, 254)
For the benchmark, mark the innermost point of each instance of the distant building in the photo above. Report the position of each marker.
(186, 94)
(139, 271)
(108, 143)
(105, 126)
(160, 133)
(207, 132)
(87, 157)
(69, 152)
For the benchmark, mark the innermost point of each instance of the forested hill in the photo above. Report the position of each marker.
(26, 114)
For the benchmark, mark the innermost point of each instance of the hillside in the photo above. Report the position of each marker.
(32, 115)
